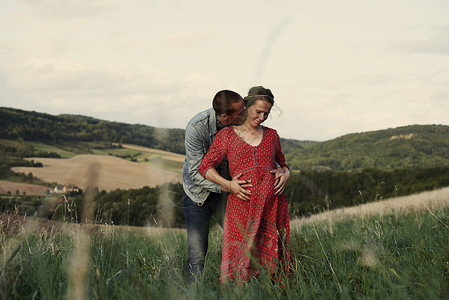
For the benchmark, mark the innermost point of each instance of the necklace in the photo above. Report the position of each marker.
(251, 137)
(251, 132)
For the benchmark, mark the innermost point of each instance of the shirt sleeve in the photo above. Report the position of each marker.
(216, 153)
(195, 152)
(278, 155)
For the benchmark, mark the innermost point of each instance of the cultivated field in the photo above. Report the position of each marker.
(28, 189)
(104, 171)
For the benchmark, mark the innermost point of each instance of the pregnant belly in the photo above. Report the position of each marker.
(262, 180)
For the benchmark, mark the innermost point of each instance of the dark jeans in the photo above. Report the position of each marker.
(198, 219)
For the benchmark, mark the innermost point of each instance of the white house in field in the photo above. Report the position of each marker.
(63, 189)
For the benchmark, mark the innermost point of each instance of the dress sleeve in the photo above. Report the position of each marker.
(216, 152)
(278, 155)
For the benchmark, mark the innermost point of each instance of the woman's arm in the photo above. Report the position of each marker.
(210, 162)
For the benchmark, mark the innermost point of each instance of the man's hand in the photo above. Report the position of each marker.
(239, 187)
(281, 177)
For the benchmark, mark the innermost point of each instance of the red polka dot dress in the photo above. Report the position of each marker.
(256, 232)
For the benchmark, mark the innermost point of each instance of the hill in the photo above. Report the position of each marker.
(403, 147)
(82, 133)
(411, 146)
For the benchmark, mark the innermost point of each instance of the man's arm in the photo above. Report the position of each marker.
(234, 186)
(281, 175)
(282, 172)
(195, 151)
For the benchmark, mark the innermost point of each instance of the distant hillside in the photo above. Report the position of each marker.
(403, 147)
(70, 129)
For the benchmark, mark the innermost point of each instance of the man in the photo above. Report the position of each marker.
(201, 198)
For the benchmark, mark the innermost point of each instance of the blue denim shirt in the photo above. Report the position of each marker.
(200, 133)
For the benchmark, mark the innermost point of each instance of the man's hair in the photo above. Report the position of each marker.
(223, 101)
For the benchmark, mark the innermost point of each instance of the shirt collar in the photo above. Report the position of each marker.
(219, 125)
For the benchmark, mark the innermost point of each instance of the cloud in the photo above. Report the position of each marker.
(191, 38)
(334, 68)
(67, 8)
(437, 42)
(113, 92)
(275, 33)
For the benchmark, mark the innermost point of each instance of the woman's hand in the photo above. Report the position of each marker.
(239, 187)
(281, 176)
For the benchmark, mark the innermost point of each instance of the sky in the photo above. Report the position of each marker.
(334, 67)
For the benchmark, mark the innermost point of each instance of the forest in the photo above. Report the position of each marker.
(403, 147)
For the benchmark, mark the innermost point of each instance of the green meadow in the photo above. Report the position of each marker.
(392, 256)
(47, 148)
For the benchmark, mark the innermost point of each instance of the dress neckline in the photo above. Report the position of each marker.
(261, 140)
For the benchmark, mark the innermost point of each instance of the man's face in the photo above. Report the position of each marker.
(238, 114)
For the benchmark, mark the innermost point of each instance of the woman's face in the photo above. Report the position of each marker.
(258, 113)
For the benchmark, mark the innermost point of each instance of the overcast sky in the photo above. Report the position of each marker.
(335, 67)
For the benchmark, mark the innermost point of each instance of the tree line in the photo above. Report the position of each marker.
(307, 192)
(311, 191)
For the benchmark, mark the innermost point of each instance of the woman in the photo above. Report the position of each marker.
(256, 227)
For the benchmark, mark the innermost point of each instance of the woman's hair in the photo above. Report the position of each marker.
(223, 101)
(258, 93)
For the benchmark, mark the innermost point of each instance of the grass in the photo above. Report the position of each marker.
(151, 158)
(120, 152)
(20, 179)
(381, 257)
(47, 148)
(169, 165)
(392, 256)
